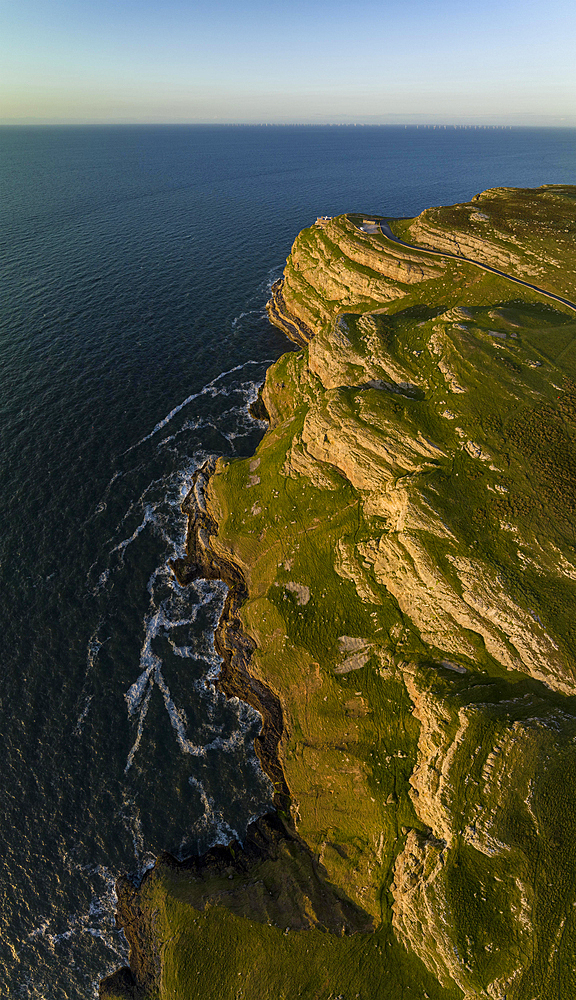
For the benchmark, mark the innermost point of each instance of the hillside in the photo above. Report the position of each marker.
(401, 559)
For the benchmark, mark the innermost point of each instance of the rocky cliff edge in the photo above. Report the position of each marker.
(405, 538)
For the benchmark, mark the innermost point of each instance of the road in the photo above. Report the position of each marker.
(387, 232)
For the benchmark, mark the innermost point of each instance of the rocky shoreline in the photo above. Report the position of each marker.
(234, 680)
(268, 837)
(231, 642)
(278, 314)
(400, 556)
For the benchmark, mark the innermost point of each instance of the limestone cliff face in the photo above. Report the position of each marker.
(388, 460)
(334, 266)
(481, 785)
(449, 412)
(529, 233)
(404, 542)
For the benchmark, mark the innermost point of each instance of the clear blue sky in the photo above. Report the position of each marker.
(501, 61)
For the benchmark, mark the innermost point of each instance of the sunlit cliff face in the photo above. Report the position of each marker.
(405, 533)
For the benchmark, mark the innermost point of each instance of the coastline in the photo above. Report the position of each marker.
(416, 690)
(231, 642)
(270, 837)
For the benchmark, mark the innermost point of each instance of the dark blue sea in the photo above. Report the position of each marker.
(136, 264)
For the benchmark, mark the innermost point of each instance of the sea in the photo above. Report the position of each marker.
(136, 264)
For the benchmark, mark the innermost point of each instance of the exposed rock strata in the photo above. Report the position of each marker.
(510, 229)
(401, 561)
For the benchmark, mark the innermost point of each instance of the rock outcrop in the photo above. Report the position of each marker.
(401, 553)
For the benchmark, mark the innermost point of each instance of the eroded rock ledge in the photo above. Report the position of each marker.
(230, 640)
(297, 895)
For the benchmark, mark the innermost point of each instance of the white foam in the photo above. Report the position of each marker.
(149, 516)
(249, 392)
(223, 833)
(39, 931)
(97, 922)
(102, 581)
(130, 814)
(159, 623)
(178, 719)
(92, 650)
(273, 274)
(141, 719)
(208, 389)
(162, 514)
(248, 312)
(136, 692)
(102, 505)
(83, 713)
(182, 618)
(94, 646)
(164, 495)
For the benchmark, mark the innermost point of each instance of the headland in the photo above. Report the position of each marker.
(400, 554)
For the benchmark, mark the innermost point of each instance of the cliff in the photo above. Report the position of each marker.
(401, 556)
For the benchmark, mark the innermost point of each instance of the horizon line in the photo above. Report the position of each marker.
(467, 124)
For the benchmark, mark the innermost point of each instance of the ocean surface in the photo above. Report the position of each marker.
(136, 264)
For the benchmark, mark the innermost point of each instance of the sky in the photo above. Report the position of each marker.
(306, 61)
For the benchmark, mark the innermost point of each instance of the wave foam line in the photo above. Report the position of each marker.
(207, 389)
(249, 390)
(92, 650)
(130, 816)
(249, 312)
(139, 693)
(213, 817)
(149, 513)
(98, 922)
(140, 730)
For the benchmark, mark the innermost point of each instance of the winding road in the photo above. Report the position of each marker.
(387, 232)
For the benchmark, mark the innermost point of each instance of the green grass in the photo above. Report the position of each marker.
(535, 226)
(483, 484)
(213, 954)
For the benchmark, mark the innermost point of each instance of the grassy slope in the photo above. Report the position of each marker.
(439, 803)
(533, 228)
(215, 953)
